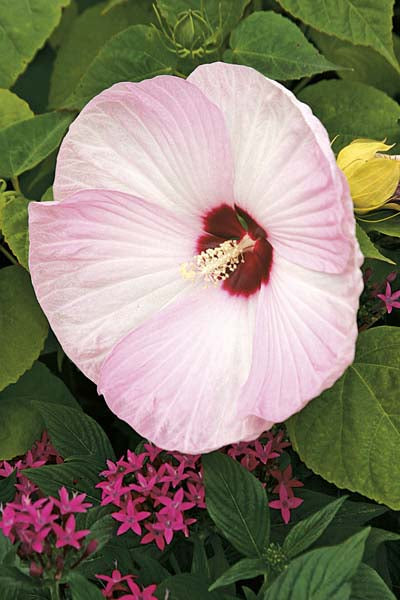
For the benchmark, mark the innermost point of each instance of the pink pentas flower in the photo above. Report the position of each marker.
(25, 486)
(114, 583)
(130, 518)
(74, 505)
(238, 449)
(146, 593)
(169, 522)
(5, 468)
(249, 461)
(196, 493)
(67, 535)
(153, 535)
(390, 299)
(285, 503)
(176, 502)
(8, 519)
(264, 452)
(285, 479)
(39, 517)
(112, 492)
(174, 475)
(152, 451)
(145, 484)
(200, 261)
(278, 443)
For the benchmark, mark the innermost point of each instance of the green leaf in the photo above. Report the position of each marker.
(276, 47)
(134, 54)
(363, 64)
(363, 22)
(347, 521)
(237, 503)
(80, 49)
(12, 109)
(7, 488)
(25, 26)
(35, 182)
(48, 195)
(388, 227)
(221, 16)
(21, 424)
(77, 474)
(247, 568)
(322, 574)
(7, 549)
(39, 384)
(304, 534)
(250, 595)
(218, 563)
(26, 143)
(200, 565)
(117, 551)
(23, 327)
(62, 30)
(367, 585)
(351, 110)
(112, 4)
(100, 522)
(34, 83)
(15, 227)
(151, 571)
(20, 427)
(363, 407)
(74, 433)
(367, 247)
(184, 586)
(375, 539)
(81, 588)
(14, 585)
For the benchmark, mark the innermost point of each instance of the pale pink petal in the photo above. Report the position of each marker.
(286, 175)
(177, 378)
(160, 139)
(101, 263)
(304, 338)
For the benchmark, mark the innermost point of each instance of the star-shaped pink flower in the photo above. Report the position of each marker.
(67, 535)
(130, 517)
(285, 503)
(139, 594)
(390, 299)
(113, 583)
(285, 479)
(265, 453)
(74, 505)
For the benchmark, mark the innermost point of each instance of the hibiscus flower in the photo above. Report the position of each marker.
(199, 262)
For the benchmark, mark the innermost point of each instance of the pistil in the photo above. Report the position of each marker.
(214, 265)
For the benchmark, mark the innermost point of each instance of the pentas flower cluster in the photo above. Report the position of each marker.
(154, 493)
(46, 532)
(157, 493)
(41, 453)
(260, 457)
(124, 587)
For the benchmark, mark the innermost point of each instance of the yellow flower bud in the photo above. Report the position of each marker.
(373, 177)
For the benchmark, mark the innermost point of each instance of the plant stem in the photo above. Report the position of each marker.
(302, 84)
(8, 255)
(15, 182)
(54, 591)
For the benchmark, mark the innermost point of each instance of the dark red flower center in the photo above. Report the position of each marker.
(226, 223)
